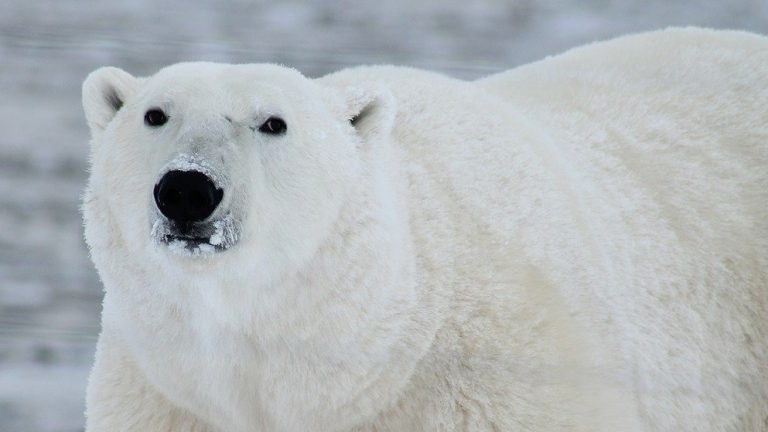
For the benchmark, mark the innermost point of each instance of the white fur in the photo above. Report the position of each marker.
(579, 244)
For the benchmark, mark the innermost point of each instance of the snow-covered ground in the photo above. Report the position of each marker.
(49, 292)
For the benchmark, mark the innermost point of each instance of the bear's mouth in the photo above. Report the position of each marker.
(191, 243)
(201, 238)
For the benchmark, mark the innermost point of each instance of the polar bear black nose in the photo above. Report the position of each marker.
(187, 196)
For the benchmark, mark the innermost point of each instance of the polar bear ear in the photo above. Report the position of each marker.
(371, 110)
(105, 91)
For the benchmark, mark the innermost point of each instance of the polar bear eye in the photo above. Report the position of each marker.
(155, 117)
(273, 126)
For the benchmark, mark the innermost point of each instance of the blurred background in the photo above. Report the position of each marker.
(49, 292)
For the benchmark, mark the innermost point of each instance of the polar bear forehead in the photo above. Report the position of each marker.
(242, 81)
(229, 72)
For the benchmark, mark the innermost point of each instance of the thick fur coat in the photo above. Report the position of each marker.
(579, 244)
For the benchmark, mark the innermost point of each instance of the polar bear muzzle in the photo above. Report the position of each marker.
(190, 215)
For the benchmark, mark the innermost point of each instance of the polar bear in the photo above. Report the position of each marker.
(580, 244)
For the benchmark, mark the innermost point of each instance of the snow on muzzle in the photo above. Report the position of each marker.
(190, 216)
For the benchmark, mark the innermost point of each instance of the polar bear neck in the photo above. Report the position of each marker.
(366, 334)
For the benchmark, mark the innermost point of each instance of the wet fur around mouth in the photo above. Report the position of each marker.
(197, 238)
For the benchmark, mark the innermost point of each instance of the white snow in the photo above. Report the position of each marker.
(216, 238)
(191, 162)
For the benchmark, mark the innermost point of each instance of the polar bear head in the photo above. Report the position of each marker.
(265, 210)
(203, 161)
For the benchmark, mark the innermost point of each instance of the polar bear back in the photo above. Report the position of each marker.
(669, 133)
(682, 111)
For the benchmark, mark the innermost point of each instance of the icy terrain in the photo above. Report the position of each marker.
(49, 292)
